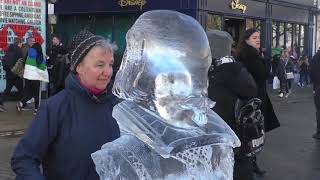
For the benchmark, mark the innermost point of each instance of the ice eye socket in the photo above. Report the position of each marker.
(172, 85)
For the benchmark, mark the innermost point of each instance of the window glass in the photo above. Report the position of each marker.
(302, 40)
(289, 35)
(274, 34)
(258, 25)
(295, 31)
(318, 31)
(249, 23)
(281, 33)
(213, 22)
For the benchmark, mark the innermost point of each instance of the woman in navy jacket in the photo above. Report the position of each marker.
(75, 122)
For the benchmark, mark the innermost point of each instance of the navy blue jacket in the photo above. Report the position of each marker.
(67, 129)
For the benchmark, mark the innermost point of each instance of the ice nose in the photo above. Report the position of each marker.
(202, 103)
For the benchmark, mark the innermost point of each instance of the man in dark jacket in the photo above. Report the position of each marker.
(9, 60)
(315, 78)
(57, 66)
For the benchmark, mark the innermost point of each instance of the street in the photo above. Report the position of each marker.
(290, 152)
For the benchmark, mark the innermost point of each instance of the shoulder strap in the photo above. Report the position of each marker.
(286, 63)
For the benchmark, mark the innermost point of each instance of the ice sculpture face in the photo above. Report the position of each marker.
(165, 68)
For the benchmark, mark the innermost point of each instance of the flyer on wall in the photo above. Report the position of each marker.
(20, 19)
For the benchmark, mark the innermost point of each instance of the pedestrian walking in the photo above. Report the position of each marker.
(288, 72)
(280, 73)
(304, 71)
(31, 90)
(75, 122)
(259, 67)
(14, 53)
(315, 78)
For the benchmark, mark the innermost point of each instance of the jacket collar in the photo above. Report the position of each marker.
(73, 85)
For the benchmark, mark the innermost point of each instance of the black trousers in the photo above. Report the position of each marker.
(31, 90)
(11, 80)
(243, 169)
(317, 104)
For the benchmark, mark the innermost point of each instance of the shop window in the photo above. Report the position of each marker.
(122, 24)
(318, 32)
(295, 30)
(281, 35)
(289, 35)
(302, 40)
(274, 34)
(103, 26)
(257, 25)
(214, 22)
(249, 23)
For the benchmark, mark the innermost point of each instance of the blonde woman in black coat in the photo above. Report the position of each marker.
(249, 55)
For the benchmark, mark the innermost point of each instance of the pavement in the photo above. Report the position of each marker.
(12, 126)
(12, 121)
(290, 152)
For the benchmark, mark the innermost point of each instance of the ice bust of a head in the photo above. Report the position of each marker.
(165, 66)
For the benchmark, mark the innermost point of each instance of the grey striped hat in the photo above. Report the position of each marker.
(80, 45)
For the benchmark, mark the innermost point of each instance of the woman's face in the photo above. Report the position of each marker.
(95, 70)
(254, 40)
(284, 55)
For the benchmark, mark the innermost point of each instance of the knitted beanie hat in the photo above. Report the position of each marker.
(80, 45)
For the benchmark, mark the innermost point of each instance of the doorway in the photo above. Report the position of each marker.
(235, 27)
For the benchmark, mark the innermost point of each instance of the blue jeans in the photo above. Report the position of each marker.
(304, 77)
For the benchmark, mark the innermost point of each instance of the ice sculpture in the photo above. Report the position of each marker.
(168, 129)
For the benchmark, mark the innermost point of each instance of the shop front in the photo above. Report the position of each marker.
(111, 19)
(282, 24)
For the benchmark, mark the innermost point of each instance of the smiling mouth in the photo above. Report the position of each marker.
(103, 80)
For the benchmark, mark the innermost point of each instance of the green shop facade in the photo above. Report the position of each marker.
(282, 24)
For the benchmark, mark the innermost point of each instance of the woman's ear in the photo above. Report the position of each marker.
(79, 68)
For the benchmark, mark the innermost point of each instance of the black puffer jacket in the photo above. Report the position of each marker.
(259, 68)
(227, 83)
(11, 57)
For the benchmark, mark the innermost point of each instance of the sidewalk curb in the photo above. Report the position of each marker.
(12, 133)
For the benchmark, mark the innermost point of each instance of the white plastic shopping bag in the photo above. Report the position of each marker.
(276, 83)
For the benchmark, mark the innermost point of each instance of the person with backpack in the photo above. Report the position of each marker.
(14, 53)
(231, 86)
